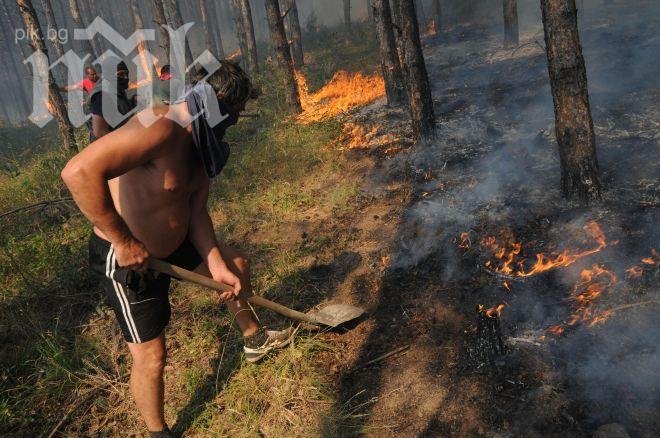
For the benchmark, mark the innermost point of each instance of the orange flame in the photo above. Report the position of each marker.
(495, 311)
(634, 272)
(465, 242)
(234, 55)
(508, 253)
(593, 282)
(343, 92)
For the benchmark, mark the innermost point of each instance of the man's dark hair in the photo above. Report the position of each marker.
(122, 66)
(229, 80)
(165, 69)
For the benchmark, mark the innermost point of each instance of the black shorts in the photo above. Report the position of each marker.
(140, 301)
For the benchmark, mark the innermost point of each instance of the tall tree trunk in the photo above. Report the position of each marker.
(52, 24)
(208, 32)
(86, 45)
(16, 60)
(283, 55)
(347, 14)
(174, 15)
(87, 17)
(237, 16)
(419, 90)
(510, 23)
(216, 25)
(437, 17)
(574, 126)
(421, 13)
(161, 21)
(143, 46)
(389, 60)
(55, 99)
(398, 26)
(296, 34)
(251, 43)
(370, 12)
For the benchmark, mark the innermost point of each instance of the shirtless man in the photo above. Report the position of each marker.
(145, 190)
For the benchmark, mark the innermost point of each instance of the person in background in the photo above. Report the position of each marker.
(113, 94)
(87, 85)
(167, 88)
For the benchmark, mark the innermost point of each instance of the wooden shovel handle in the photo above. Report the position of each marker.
(193, 277)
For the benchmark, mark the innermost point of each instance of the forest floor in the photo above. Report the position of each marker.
(353, 212)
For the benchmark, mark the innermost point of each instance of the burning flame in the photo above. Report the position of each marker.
(651, 260)
(634, 272)
(234, 55)
(493, 312)
(508, 252)
(343, 92)
(465, 242)
(593, 282)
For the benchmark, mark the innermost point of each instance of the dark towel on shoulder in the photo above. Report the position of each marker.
(211, 118)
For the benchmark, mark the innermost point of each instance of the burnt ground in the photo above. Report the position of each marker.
(493, 171)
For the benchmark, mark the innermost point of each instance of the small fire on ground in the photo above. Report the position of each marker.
(343, 92)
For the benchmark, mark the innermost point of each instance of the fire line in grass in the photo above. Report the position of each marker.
(509, 263)
(342, 93)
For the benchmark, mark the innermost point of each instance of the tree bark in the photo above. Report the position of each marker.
(176, 21)
(208, 32)
(16, 60)
(510, 23)
(398, 26)
(86, 14)
(389, 60)
(296, 34)
(52, 23)
(347, 14)
(240, 30)
(580, 176)
(283, 55)
(419, 90)
(216, 25)
(55, 99)
(161, 21)
(437, 10)
(86, 45)
(251, 43)
(143, 46)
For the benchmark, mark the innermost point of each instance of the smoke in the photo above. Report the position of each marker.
(494, 166)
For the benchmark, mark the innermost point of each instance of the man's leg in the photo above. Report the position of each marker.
(147, 381)
(239, 264)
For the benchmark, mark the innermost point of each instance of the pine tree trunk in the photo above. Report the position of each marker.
(510, 23)
(347, 14)
(419, 90)
(240, 31)
(370, 12)
(389, 60)
(86, 17)
(143, 46)
(52, 23)
(296, 34)
(580, 177)
(251, 43)
(161, 21)
(57, 106)
(398, 26)
(15, 61)
(173, 13)
(208, 32)
(86, 45)
(283, 55)
(437, 10)
(216, 25)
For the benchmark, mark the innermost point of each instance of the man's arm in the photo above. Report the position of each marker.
(203, 238)
(87, 175)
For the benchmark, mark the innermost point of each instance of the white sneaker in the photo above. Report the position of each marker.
(264, 341)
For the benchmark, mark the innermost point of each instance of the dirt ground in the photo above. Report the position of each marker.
(493, 171)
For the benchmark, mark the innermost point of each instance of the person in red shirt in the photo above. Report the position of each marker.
(86, 84)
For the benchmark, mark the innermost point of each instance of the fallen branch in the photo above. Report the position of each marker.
(628, 306)
(381, 357)
(42, 204)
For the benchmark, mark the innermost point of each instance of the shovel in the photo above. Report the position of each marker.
(332, 315)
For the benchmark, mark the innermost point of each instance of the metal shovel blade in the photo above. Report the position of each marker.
(334, 315)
